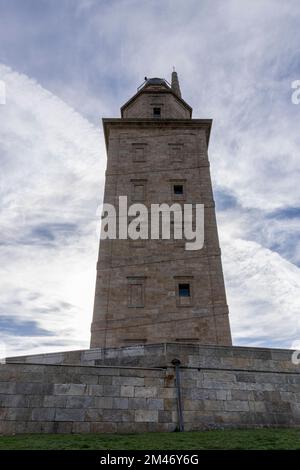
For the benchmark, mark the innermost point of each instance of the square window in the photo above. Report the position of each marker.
(178, 189)
(184, 290)
(156, 112)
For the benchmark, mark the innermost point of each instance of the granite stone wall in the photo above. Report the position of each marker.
(135, 391)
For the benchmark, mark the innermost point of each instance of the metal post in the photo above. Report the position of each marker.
(176, 363)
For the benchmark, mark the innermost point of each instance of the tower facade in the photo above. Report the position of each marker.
(154, 290)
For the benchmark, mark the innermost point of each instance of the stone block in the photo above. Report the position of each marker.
(81, 428)
(154, 381)
(63, 427)
(106, 370)
(170, 404)
(111, 390)
(217, 385)
(72, 414)
(193, 405)
(137, 403)
(133, 381)
(167, 392)
(242, 395)
(102, 427)
(13, 401)
(56, 401)
(284, 419)
(35, 401)
(105, 379)
(245, 377)
(134, 372)
(236, 405)
(154, 403)
(34, 388)
(7, 427)
(71, 389)
(3, 413)
(164, 416)
(103, 402)
(223, 394)
(146, 416)
(117, 416)
(213, 405)
(278, 406)
(7, 387)
(43, 414)
(257, 406)
(127, 391)
(120, 403)
(94, 415)
(145, 392)
(89, 379)
(95, 390)
(272, 378)
(17, 414)
(80, 402)
(194, 393)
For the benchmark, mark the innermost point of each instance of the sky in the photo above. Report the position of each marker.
(68, 63)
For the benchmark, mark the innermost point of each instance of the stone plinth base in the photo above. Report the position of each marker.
(133, 389)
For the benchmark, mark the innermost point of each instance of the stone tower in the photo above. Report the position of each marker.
(156, 291)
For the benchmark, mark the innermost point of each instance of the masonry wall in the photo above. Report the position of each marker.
(170, 106)
(221, 387)
(159, 265)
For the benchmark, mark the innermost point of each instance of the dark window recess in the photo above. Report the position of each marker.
(184, 290)
(156, 112)
(178, 189)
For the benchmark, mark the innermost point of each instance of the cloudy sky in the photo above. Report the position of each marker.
(67, 63)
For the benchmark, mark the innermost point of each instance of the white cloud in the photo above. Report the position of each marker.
(263, 293)
(52, 164)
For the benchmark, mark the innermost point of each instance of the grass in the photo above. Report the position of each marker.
(254, 439)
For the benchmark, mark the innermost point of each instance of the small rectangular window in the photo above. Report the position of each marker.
(139, 153)
(184, 290)
(136, 292)
(138, 190)
(156, 112)
(176, 153)
(136, 295)
(178, 189)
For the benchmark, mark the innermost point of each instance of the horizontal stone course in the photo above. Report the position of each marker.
(157, 355)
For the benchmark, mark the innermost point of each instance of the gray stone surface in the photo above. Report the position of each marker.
(60, 398)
